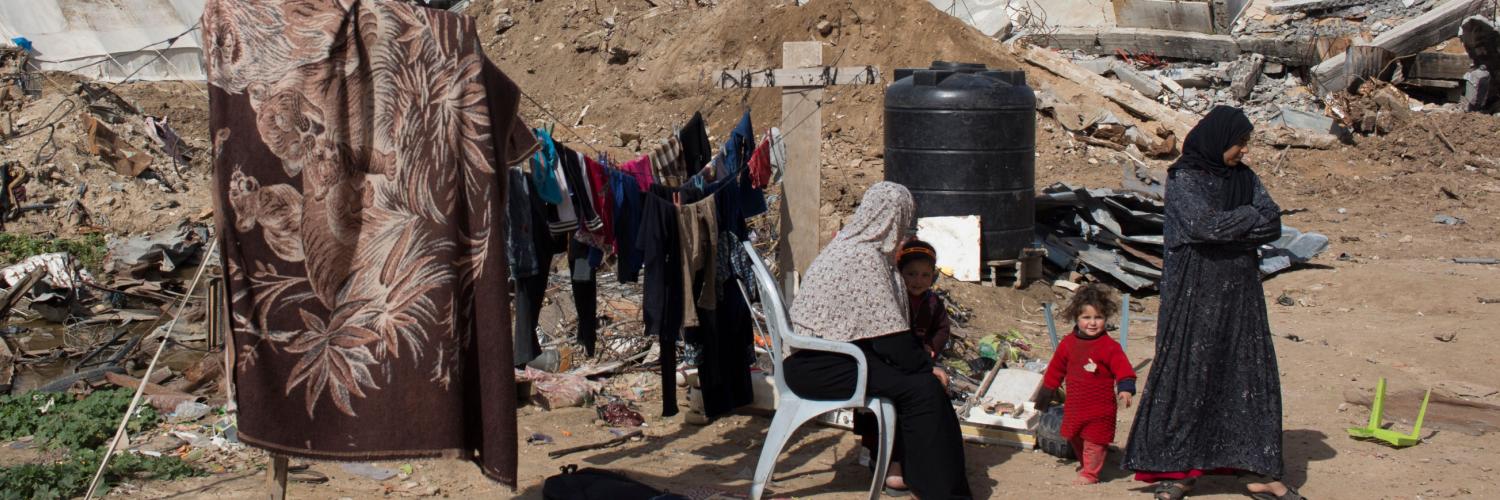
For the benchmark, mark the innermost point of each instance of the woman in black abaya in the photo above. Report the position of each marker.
(1212, 403)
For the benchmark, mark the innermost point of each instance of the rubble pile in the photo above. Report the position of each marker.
(1288, 62)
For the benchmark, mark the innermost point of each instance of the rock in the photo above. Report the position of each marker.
(621, 55)
(825, 28)
(1447, 220)
(503, 23)
(588, 42)
(1407, 239)
(1343, 407)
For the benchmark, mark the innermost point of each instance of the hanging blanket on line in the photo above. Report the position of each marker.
(360, 151)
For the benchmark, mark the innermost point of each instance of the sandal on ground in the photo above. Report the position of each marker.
(892, 491)
(1173, 490)
(1291, 494)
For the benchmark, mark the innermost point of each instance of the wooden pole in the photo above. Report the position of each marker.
(276, 477)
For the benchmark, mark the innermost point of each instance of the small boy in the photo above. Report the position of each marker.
(1097, 373)
(917, 262)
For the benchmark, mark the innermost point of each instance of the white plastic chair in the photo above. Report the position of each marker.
(793, 410)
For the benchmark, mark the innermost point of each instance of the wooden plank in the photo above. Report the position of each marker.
(1164, 14)
(802, 124)
(1287, 6)
(1437, 66)
(1426, 30)
(1126, 97)
(799, 77)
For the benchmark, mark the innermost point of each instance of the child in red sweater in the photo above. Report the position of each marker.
(1097, 373)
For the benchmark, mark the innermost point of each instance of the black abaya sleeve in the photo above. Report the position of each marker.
(1197, 216)
(1269, 228)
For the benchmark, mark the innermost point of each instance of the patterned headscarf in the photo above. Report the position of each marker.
(852, 291)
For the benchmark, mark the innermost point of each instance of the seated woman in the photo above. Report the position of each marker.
(853, 293)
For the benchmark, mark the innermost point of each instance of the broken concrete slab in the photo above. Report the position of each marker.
(1289, 6)
(1478, 89)
(1436, 66)
(1101, 66)
(1307, 120)
(1482, 42)
(1163, 43)
(1127, 98)
(1244, 75)
(1146, 85)
(1294, 51)
(1426, 30)
(1164, 14)
(1196, 78)
(1280, 135)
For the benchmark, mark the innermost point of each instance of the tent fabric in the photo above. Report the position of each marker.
(109, 41)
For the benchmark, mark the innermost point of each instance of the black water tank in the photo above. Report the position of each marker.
(962, 138)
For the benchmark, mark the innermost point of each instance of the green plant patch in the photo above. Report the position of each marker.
(63, 421)
(69, 477)
(83, 428)
(88, 249)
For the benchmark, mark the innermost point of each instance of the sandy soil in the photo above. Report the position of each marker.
(1374, 312)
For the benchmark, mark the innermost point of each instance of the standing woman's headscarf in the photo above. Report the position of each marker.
(1204, 150)
(852, 291)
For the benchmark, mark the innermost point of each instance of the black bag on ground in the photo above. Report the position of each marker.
(597, 484)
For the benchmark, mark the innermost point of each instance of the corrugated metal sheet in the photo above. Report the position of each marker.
(109, 39)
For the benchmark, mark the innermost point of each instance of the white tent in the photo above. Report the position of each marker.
(109, 40)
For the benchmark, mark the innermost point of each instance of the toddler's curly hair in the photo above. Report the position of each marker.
(1093, 294)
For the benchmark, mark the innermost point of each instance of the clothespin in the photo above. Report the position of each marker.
(677, 199)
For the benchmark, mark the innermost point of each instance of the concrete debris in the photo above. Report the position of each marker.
(1375, 108)
(1280, 135)
(1447, 220)
(1482, 42)
(1245, 74)
(62, 271)
(103, 142)
(1426, 30)
(164, 251)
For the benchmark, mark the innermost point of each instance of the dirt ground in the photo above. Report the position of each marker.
(1373, 305)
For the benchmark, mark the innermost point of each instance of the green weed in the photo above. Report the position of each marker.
(83, 428)
(88, 249)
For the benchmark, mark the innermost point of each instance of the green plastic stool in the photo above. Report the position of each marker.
(1374, 431)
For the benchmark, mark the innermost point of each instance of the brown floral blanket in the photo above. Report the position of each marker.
(357, 145)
